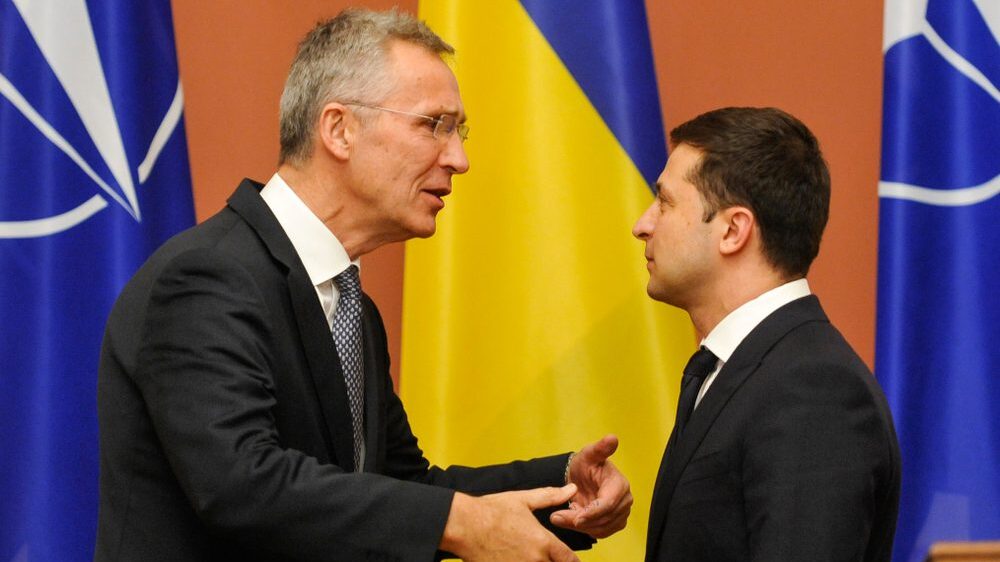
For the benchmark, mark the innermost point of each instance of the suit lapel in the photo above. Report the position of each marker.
(374, 367)
(321, 354)
(324, 366)
(741, 365)
(661, 499)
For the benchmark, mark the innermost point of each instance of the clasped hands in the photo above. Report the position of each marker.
(500, 527)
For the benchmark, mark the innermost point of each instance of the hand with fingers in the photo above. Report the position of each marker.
(502, 528)
(603, 501)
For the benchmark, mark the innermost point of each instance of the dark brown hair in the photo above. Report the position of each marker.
(768, 161)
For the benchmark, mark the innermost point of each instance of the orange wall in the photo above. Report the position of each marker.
(819, 60)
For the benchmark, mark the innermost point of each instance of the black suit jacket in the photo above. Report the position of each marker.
(791, 455)
(224, 423)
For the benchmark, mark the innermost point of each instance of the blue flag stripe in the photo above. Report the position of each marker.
(606, 47)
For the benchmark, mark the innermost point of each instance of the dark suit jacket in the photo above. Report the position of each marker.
(224, 424)
(791, 455)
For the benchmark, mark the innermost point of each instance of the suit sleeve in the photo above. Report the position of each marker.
(813, 459)
(204, 373)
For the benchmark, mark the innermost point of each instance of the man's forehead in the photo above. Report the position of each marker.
(413, 59)
(682, 160)
(423, 79)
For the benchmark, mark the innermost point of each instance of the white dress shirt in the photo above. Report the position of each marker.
(321, 253)
(323, 256)
(737, 325)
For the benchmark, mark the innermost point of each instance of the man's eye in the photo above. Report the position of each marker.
(445, 124)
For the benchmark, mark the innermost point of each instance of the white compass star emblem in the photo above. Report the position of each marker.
(63, 33)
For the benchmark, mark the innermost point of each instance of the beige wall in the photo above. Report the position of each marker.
(817, 59)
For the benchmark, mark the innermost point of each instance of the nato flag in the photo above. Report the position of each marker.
(93, 177)
(938, 332)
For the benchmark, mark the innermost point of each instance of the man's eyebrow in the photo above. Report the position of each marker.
(447, 111)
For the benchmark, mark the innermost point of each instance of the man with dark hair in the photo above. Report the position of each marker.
(783, 447)
(245, 405)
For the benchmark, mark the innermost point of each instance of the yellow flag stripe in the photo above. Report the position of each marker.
(526, 327)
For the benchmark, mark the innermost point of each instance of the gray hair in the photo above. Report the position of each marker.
(343, 59)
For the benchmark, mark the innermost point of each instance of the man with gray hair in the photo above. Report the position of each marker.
(245, 405)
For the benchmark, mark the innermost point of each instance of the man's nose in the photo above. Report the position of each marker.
(453, 156)
(643, 227)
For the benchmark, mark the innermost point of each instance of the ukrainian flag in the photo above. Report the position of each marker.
(526, 325)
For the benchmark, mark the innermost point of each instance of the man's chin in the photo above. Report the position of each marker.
(656, 293)
(424, 230)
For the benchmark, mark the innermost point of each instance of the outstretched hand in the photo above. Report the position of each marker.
(603, 500)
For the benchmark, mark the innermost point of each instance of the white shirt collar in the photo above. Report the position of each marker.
(321, 253)
(737, 325)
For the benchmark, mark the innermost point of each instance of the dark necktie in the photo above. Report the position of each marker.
(698, 367)
(347, 337)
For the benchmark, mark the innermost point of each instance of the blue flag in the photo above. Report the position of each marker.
(938, 338)
(93, 177)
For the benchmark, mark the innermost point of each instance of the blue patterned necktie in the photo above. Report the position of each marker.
(347, 337)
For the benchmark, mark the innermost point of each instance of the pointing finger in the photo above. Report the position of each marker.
(547, 497)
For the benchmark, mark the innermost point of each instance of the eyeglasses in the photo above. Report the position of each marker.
(443, 125)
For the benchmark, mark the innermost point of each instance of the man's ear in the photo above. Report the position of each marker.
(740, 225)
(335, 130)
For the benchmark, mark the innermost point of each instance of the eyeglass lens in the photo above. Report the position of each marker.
(447, 124)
